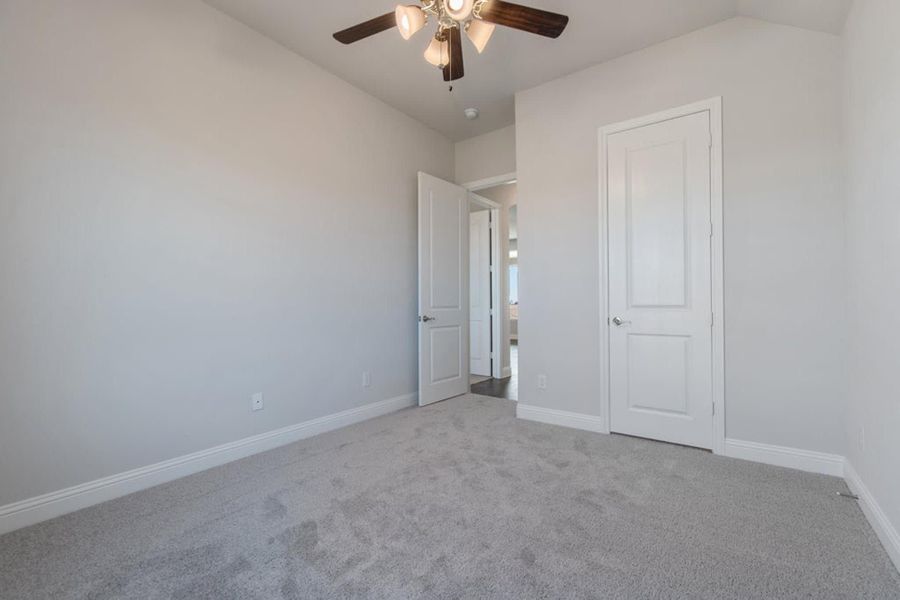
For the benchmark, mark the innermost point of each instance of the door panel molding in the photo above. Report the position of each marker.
(714, 107)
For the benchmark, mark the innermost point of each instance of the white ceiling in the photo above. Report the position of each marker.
(394, 70)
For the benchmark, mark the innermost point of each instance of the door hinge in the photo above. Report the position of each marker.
(712, 319)
(714, 408)
(712, 229)
(710, 139)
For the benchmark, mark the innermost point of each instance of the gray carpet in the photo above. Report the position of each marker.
(461, 500)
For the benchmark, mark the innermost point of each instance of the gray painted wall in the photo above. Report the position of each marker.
(189, 213)
(485, 156)
(872, 126)
(784, 260)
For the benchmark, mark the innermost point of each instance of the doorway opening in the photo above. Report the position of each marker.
(502, 382)
(447, 217)
(484, 288)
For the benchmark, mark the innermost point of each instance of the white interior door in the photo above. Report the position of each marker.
(480, 293)
(660, 293)
(443, 290)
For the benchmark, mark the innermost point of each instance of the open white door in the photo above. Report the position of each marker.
(443, 290)
(480, 293)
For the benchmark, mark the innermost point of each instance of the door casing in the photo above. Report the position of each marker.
(481, 297)
(496, 300)
(714, 107)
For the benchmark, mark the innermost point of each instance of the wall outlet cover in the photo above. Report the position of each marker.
(256, 401)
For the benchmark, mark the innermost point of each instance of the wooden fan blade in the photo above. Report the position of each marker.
(532, 20)
(455, 70)
(364, 30)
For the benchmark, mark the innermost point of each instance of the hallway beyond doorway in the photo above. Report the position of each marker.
(507, 387)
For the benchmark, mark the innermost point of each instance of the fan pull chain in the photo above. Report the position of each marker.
(450, 61)
(450, 58)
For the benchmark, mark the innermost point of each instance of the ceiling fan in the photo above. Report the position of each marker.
(476, 17)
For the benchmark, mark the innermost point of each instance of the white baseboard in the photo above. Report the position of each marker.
(40, 508)
(783, 456)
(884, 529)
(561, 417)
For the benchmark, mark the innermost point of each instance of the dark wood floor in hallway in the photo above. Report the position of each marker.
(508, 387)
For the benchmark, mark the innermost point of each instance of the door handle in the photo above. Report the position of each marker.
(426, 318)
(618, 322)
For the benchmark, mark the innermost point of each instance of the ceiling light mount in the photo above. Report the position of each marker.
(459, 10)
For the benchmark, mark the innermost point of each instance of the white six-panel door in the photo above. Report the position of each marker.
(660, 291)
(443, 290)
(480, 293)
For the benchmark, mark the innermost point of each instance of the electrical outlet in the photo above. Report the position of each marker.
(256, 401)
(542, 382)
(366, 379)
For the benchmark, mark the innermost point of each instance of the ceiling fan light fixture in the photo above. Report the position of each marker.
(438, 51)
(479, 33)
(459, 10)
(410, 19)
(477, 17)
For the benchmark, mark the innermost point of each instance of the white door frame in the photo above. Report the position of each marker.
(714, 106)
(489, 182)
(496, 307)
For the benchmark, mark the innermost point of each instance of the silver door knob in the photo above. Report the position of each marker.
(618, 321)
(426, 318)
